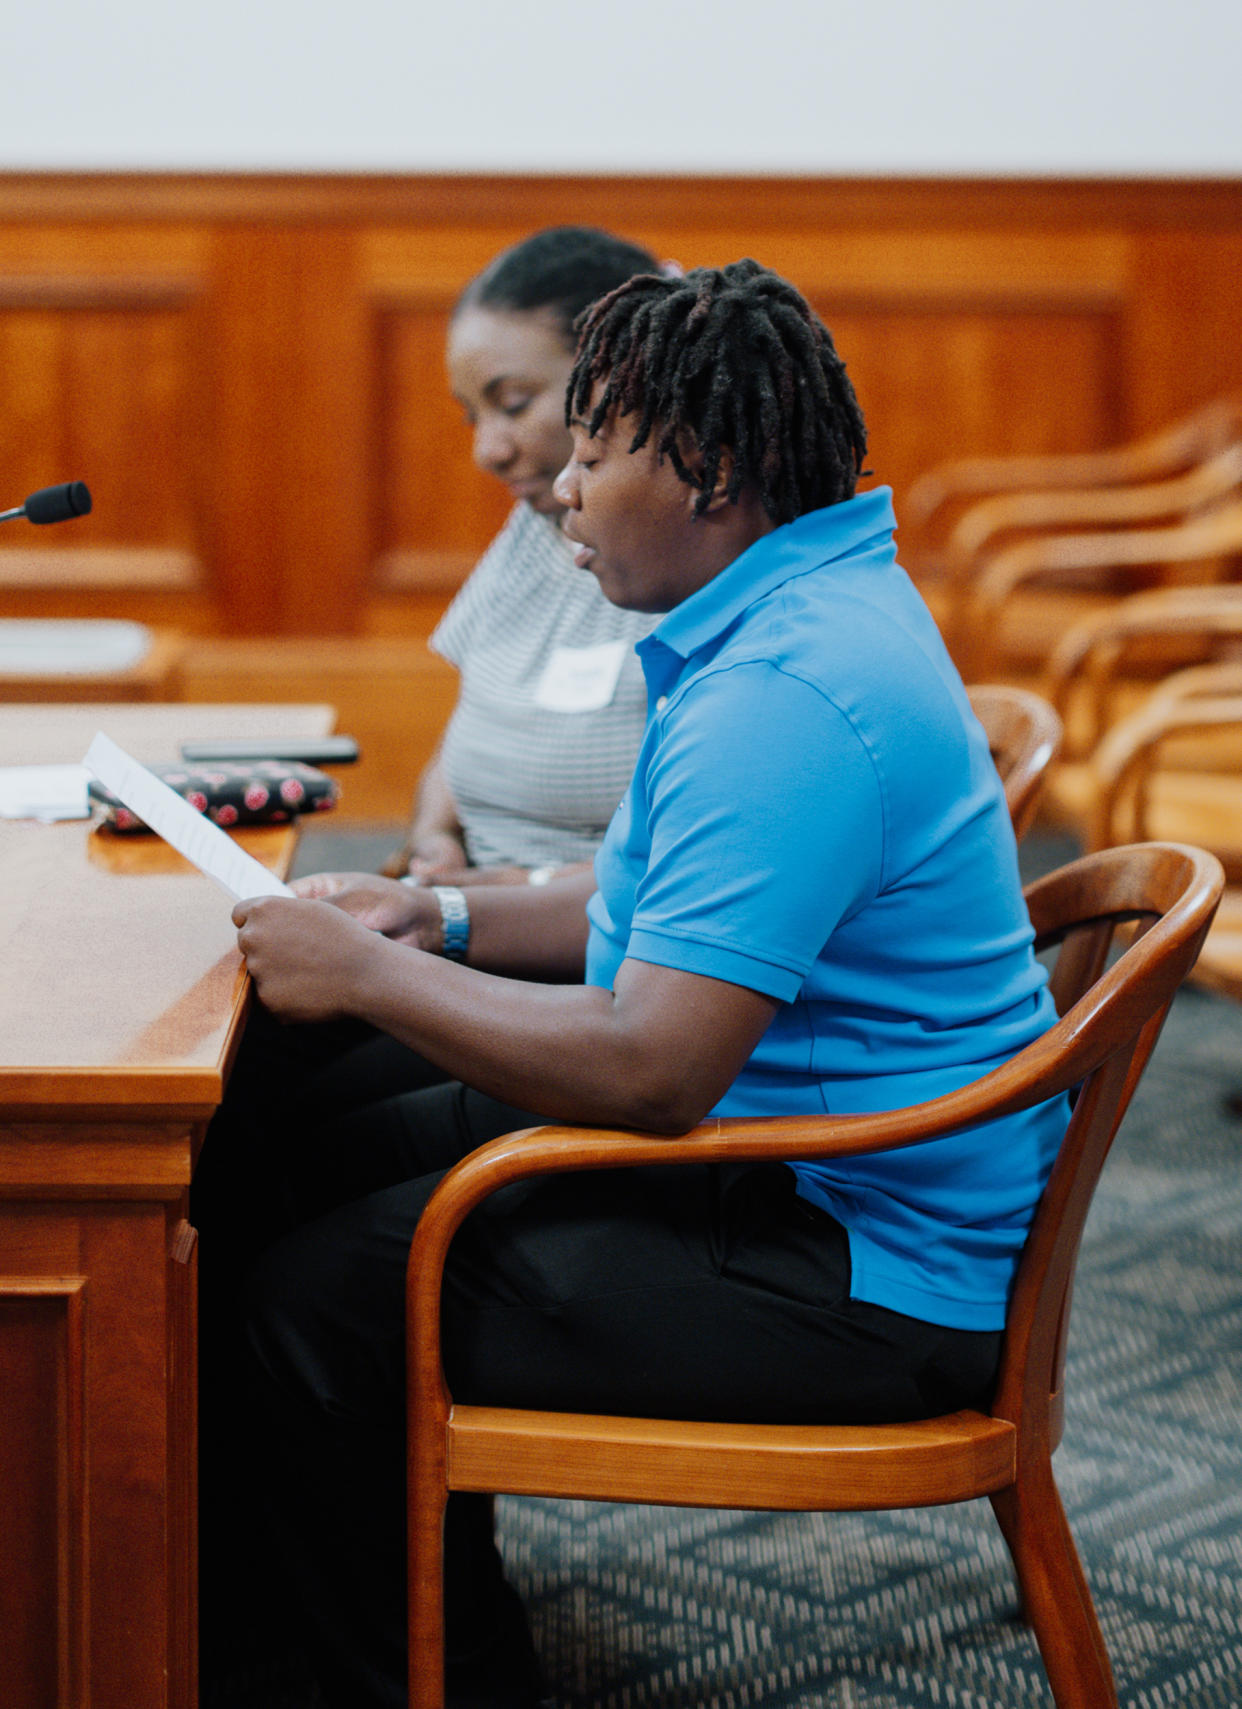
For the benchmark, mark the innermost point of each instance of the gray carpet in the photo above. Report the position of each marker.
(667, 1609)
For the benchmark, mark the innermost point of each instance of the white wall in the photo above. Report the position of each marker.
(875, 86)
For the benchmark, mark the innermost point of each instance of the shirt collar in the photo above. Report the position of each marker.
(793, 549)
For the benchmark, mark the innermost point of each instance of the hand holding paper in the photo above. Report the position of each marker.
(205, 845)
(312, 962)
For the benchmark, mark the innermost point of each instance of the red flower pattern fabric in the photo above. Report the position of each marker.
(259, 792)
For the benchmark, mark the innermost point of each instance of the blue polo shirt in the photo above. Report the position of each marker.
(815, 815)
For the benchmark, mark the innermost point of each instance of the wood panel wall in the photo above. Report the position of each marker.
(248, 371)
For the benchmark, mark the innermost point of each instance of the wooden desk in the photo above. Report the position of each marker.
(121, 999)
(154, 677)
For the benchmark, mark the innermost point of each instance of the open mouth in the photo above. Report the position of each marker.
(583, 555)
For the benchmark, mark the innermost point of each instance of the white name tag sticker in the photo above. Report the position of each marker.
(581, 679)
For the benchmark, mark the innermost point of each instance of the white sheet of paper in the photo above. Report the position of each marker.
(213, 852)
(43, 792)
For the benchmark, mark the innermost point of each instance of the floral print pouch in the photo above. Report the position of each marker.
(230, 793)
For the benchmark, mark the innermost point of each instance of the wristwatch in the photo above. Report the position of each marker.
(454, 921)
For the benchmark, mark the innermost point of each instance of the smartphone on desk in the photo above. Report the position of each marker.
(310, 750)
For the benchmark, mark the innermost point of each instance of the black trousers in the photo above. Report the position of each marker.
(698, 1291)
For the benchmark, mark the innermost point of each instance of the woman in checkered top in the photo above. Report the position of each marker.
(541, 745)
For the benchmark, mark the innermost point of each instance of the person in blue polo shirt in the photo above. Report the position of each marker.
(808, 901)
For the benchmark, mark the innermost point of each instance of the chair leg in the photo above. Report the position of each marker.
(426, 1596)
(1056, 1599)
(1002, 1511)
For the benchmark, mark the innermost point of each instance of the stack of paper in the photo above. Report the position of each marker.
(44, 792)
(89, 646)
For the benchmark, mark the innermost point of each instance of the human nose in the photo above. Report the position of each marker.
(493, 444)
(565, 488)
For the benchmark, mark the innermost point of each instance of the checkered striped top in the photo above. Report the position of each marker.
(535, 786)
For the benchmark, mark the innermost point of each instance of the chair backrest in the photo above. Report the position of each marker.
(1009, 516)
(1024, 735)
(1180, 444)
(1158, 900)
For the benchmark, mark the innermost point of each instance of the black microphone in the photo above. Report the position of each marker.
(53, 504)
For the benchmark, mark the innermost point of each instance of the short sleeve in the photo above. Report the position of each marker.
(766, 824)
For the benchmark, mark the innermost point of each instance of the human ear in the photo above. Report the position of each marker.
(692, 461)
(720, 486)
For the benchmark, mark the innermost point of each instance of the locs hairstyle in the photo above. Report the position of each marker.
(561, 269)
(730, 357)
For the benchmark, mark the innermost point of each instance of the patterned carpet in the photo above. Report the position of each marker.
(676, 1609)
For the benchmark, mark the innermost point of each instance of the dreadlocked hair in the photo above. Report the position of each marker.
(732, 358)
(559, 269)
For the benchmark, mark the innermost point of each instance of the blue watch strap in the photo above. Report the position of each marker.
(454, 919)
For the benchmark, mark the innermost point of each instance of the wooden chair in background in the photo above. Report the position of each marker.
(937, 498)
(997, 631)
(1152, 751)
(1024, 734)
(1051, 596)
(1132, 791)
(1075, 509)
(1170, 764)
(1159, 901)
(1103, 666)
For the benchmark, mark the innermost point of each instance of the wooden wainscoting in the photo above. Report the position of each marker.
(248, 370)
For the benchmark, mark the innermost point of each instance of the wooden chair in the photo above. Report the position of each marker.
(1102, 667)
(996, 630)
(1074, 509)
(1172, 767)
(1134, 789)
(1163, 757)
(1136, 751)
(1024, 734)
(1190, 440)
(1007, 519)
(1159, 900)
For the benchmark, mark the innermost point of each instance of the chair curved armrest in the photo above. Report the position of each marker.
(1213, 612)
(1000, 575)
(1182, 442)
(1201, 537)
(1090, 507)
(1183, 705)
(1216, 681)
(1095, 651)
